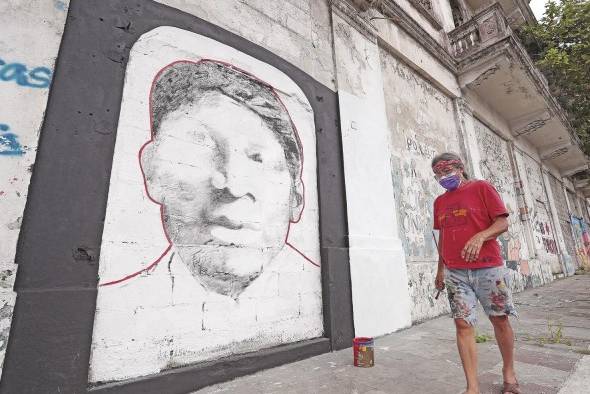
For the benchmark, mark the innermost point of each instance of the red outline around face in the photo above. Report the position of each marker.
(140, 153)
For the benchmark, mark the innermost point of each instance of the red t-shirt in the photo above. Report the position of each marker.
(460, 214)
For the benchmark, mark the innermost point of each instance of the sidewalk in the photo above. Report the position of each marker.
(552, 337)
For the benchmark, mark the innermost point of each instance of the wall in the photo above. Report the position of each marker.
(151, 313)
(297, 30)
(31, 33)
(421, 121)
(539, 210)
(347, 227)
(559, 199)
(496, 167)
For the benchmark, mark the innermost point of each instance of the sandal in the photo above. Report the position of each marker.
(511, 388)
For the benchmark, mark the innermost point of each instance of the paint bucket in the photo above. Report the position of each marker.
(362, 348)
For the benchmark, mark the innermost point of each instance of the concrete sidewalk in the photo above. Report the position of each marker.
(552, 338)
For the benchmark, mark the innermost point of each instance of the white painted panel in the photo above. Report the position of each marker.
(378, 270)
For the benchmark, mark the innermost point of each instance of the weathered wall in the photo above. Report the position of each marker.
(421, 121)
(559, 199)
(297, 30)
(496, 167)
(539, 210)
(31, 33)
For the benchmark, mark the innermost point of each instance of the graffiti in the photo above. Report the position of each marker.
(420, 148)
(38, 77)
(581, 239)
(496, 169)
(510, 241)
(495, 163)
(221, 167)
(9, 145)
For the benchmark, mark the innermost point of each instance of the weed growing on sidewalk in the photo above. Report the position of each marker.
(482, 338)
(555, 335)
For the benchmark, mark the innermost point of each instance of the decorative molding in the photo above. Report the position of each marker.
(488, 29)
(424, 7)
(391, 10)
(354, 12)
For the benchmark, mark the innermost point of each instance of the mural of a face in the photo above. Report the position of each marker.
(225, 164)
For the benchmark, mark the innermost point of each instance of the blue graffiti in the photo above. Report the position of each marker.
(60, 5)
(9, 145)
(38, 77)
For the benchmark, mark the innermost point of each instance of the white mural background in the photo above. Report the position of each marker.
(162, 317)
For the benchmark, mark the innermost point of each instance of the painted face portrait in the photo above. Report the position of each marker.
(224, 162)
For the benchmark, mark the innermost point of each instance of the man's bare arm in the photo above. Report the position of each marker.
(472, 248)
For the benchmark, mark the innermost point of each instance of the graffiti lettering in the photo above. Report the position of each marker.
(422, 149)
(38, 77)
(9, 145)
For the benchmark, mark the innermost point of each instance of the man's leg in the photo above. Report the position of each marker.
(468, 354)
(463, 302)
(494, 294)
(505, 340)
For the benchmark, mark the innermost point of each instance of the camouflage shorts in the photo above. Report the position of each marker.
(488, 285)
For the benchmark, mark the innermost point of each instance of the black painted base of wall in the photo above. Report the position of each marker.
(187, 379)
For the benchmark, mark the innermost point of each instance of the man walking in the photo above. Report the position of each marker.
(470, 215)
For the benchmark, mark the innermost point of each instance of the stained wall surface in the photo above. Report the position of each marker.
(539, 210)
(421, 120)
(496, 168)
(297, 30)
(31, 34)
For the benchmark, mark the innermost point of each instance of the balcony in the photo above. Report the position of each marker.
(495, 69)
(517, 12)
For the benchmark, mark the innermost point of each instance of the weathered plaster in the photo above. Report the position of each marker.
(421, 121)
(496, 168)
(392, 36)
(31, 33)
(297, 30)
(539, 210)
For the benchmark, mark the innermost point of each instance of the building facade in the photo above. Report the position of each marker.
(196, 190)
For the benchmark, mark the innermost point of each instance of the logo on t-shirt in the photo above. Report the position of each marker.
(453, 216)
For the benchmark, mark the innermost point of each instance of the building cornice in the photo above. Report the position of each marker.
(355, 13)
(391, 10)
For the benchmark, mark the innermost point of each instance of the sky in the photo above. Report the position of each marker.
(538, 7)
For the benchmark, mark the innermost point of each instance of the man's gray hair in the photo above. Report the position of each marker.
(449, 156)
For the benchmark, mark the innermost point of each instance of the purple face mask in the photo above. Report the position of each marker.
(450, 182)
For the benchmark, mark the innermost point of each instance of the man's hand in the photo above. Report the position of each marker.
(439, 282)
(472, 248)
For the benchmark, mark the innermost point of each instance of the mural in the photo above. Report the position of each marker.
(211, 242)
(582, 240)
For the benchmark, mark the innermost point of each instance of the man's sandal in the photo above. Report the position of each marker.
(511, 388)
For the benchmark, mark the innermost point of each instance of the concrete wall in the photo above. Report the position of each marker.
(378, 269)
(232, 250)
(421, 121)
(31, 33)
(297, 30)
